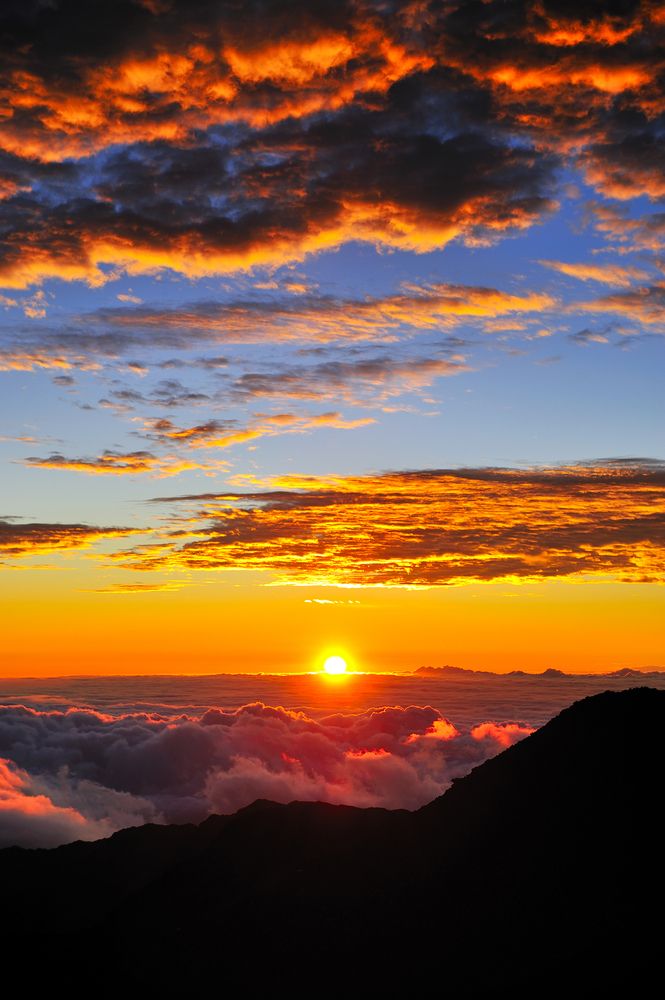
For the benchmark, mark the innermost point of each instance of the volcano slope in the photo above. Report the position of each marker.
(541, 870)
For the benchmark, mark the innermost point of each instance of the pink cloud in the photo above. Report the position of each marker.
(33, 820)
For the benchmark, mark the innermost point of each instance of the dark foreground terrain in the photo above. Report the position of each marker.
(541, 871)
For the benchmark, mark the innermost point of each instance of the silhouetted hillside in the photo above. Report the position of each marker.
(535, 872)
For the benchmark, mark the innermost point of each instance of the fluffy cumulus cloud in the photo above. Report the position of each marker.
(245, 199)
(81, 774)
(431, 527)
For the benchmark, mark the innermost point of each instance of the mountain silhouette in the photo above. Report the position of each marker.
(541, 870)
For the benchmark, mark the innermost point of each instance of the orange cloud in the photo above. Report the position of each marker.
(171, 72)
(505, 734)
(318, 318)
(26, 360)
(555, 47)
(558, 73)
(291, 132)
(162, 86)
(606, 30)
(113, 332)
(167, 586)
(29, 539)
(609, 80)
(645, 304)
(95, 255)
(615, 181)
(124, 463)
(212, 434)
(646, 232)
(625, 165)
(606, 274)
(432, 528)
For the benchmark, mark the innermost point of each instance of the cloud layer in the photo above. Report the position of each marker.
(81, 774)
(312, 318)
(433, 527)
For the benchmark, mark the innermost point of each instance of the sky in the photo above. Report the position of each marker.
(331, 328)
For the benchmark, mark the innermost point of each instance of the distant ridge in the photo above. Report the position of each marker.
(451, 671)
(541, 866)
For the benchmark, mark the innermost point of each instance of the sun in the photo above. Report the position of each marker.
(335, 665)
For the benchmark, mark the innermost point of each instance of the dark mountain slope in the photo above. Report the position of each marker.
(538, 871)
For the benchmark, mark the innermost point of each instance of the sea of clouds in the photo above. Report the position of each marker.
(82, 774)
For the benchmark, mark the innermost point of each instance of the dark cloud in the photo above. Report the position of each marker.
(369, 380)
(556, 67)
(411, 191)
(185, 137)
(587, 336)
(171, 70)
(169, 393)
(108, 462)
(206, 149)
(631, 165)
(21, 173)
(164, 429)
(198, 63)
(207, 364)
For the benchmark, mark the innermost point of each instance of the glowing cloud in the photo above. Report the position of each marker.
(435, 527)
(29, 539)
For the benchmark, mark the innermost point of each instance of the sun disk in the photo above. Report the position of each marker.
(335, 665)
